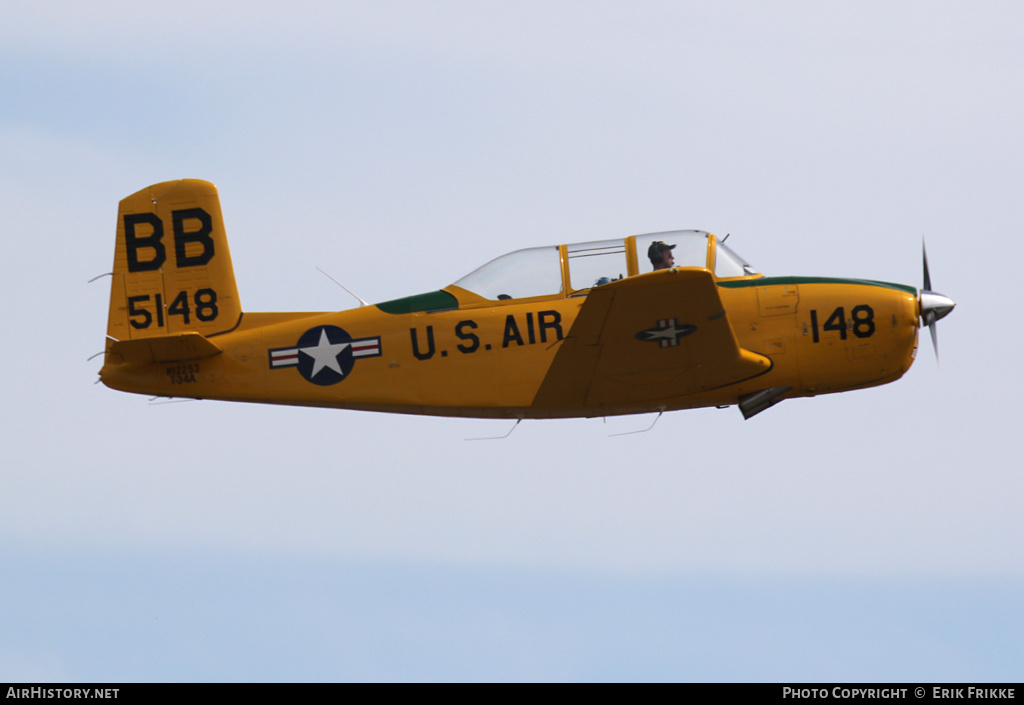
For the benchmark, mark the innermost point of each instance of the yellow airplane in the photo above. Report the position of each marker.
(646, 323)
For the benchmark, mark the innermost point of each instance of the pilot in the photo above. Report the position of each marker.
(661, 255)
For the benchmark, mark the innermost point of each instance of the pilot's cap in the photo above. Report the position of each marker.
(657, 249)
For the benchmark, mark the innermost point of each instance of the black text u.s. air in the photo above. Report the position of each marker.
(585, 329)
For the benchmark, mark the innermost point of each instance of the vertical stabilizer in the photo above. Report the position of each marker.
(172, 268)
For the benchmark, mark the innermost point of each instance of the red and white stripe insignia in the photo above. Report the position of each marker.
(366, 347)
(284, 357)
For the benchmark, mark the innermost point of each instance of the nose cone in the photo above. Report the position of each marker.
(935, 306)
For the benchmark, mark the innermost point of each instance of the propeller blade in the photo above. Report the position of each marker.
(933, 305)
(934, 330)
(927, 278)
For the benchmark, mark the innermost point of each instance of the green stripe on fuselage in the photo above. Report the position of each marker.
(431, 301)
(770, 281)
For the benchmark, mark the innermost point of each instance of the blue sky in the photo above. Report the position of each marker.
(873, 535)
(216, 616)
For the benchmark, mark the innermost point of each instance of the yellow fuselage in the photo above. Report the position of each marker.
(495, 359)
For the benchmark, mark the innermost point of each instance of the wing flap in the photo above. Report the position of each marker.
(655, 336)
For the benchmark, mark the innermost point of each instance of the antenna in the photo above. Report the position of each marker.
(169, 400)
(361, 302)
(630, 433)
(498, 438)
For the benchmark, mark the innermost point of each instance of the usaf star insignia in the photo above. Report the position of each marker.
(667, 333)
(325, 355)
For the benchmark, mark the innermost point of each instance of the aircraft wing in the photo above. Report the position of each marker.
(639, 340)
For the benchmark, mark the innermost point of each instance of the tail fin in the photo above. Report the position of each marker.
(172, 267)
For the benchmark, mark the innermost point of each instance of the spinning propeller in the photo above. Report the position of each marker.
(933, 304)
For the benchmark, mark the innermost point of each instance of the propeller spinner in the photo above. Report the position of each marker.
(933, 304)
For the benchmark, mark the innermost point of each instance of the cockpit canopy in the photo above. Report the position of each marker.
(568, 269)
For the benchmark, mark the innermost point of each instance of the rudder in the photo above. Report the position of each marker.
(172, 267)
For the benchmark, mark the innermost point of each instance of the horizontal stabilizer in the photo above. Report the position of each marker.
(164, 348)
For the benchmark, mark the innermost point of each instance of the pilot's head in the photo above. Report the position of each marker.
(661, 255)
